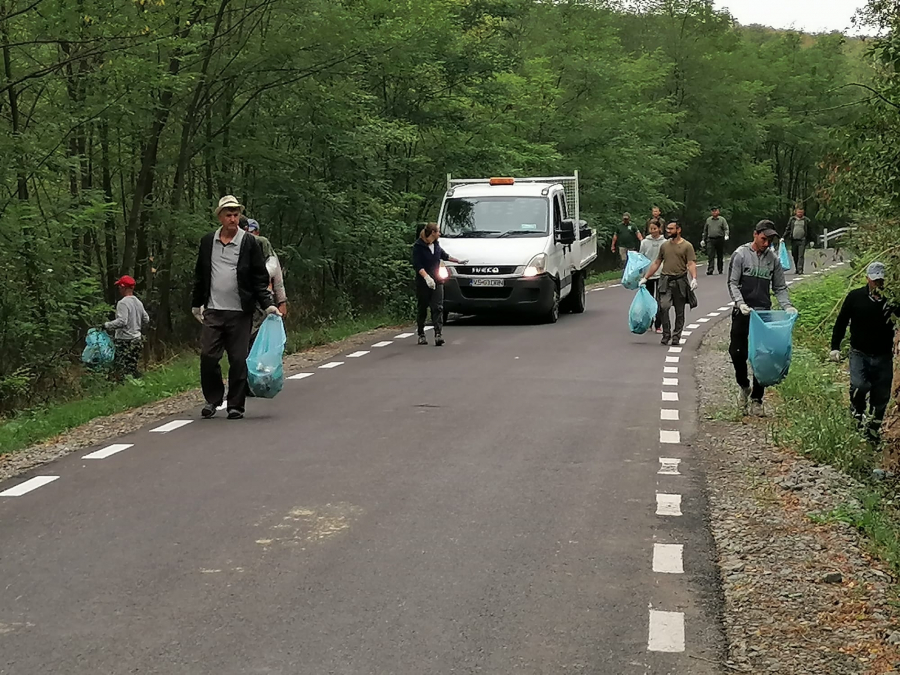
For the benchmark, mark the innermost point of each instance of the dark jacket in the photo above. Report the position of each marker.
(424, 259)
(871, 328)
(807, 229)
(252, 276)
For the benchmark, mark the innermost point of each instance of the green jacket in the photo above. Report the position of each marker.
(715, 227)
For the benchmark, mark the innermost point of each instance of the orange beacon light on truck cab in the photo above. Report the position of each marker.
(503, 181)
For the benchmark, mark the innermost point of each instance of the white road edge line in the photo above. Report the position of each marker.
(673, 359)
(669, 414)
(108, 451)
(383, 343)
(686, 333)
(724, 309)
(714, 314)
(403, 336)
(670, 396)
(670, 370)
(703, 320)
(332, 364)
(694, 326)
(670, 381)
(170, 426)
(668, 466)
(668, 505)
(669, 436)
(676, 350)
(666, 631)
(28, 486)
(301, 376)
(356, 355)
(668, 558)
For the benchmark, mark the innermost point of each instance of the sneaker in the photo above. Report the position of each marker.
(209, 410)
(659, 331)
(757, 409)
(676, 342)
(745, 398)
(665, 341)
(423, 340)
(438, 340)
(235, 414)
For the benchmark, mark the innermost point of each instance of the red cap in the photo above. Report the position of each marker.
(126, 281)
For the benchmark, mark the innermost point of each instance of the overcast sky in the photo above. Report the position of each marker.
(809, 15)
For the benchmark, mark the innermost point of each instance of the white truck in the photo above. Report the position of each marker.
(523, 242)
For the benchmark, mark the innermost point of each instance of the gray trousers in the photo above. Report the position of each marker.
(225, 332)
(798, 251)
(673, 292)
(870, 387)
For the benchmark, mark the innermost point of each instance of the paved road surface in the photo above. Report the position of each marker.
(488, 507)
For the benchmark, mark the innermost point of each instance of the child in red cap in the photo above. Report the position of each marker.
(130, 319)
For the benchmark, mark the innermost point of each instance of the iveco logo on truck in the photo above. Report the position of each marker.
(486, 270)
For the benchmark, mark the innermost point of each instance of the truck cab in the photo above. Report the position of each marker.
(524, 245)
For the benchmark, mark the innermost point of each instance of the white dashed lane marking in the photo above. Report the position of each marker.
(714, 314)
(668, 558)
(724, 309)
(356, 355)
(670, 381)
(668, 505)
(670, 415)
(686, 333)
(670, 370)
(675, 350)
(403, 336)
(333, 364)
(171, 426)
(694, 326)
(666, 631)
(300, 376)
(668, 466)
(669, 436)
(384, 343)
(28, 486)
(109, 451)
(670, 396)
(673, 359)
(703, 320)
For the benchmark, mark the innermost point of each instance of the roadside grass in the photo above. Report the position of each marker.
(601, 277)
(176, 376)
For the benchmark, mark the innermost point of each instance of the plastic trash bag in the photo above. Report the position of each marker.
(643, 310)
(265, 365)
(783, 257)
(634, 268)
(99, 350)
(771, 345)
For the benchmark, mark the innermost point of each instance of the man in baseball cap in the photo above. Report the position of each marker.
(870, 318)
(127, 326)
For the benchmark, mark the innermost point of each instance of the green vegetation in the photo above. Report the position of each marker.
(601, 277)
(336, 123)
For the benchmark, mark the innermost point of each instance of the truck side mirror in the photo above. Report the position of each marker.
(565, 234)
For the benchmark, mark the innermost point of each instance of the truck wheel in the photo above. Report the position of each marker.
(553, 315)
(577, 295)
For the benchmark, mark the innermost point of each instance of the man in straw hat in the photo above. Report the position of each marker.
(230, 280)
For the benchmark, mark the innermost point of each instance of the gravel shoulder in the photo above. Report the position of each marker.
(802, 595)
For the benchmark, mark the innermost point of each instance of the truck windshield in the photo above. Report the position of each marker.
(494, 217)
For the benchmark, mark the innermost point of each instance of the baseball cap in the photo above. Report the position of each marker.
(229, 202)
(875, 271)
(126, 281)
(767, 228)
(252, 225)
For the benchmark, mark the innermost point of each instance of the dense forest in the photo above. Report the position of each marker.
(336, 122)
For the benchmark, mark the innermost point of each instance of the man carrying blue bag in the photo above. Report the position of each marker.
(754, 272)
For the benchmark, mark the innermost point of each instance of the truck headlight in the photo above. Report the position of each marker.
(537, 266)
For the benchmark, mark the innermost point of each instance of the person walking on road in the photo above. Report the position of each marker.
(650, 246)
(626, 238)
(869, 316)
(799, 234)
(715, 234)
(754, 272)
(426, 259)
(655, 217)
(130, 319)
(230, 280)
(677, 281)
(276, 276)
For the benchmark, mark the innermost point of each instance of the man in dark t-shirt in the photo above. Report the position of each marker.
(627, 238)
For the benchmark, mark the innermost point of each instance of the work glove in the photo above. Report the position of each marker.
(463, 262)
(835, 355)
(745, 309)
(792, 310)
(702, 243)
(642, 282)
(726, 237)
(430, 282)
(198, 313)
(693, 284)
(272, 309)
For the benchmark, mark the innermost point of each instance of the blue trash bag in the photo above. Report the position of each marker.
(783, 257)
(634, 268)
(265, 365)
(643, 310)
(771, 336)
(99, 350)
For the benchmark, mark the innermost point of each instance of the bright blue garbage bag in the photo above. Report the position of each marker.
(634, 268)
(643, 311)
(771, 337)
(783, 256)
(99, 350)
(265, 365)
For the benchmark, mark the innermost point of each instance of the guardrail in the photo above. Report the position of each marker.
(831, 235)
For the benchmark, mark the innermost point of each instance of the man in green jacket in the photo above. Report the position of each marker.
(799, 233)
(715, 234)
(627, 237)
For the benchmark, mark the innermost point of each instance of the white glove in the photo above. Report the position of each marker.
(726, 237)
(642, 282)
(430, 282)
(792, 310)
(693, 284)
(745, 309)
(463, 262)
(272, 309)
(702, 243)
(198, 313)
(835, 355)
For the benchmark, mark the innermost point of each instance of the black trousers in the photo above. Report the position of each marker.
(433, 299)
(225, 332)
(653, 288)
(740, 352)
(715, 250)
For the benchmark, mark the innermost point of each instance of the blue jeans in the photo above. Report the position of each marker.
(870, 387)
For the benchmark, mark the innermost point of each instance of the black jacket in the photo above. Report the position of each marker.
(871, 328)
(252, 276)
(424, 259)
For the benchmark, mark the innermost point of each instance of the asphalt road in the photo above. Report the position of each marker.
(487, 507)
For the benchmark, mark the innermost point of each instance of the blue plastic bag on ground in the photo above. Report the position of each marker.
(265, 364)
(783, 257)
(634, 268)
(771, 345)
(99, 350)
(643, 311)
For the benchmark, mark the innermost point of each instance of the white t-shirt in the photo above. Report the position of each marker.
(431, 247)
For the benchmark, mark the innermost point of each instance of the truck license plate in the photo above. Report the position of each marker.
(487, 282)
